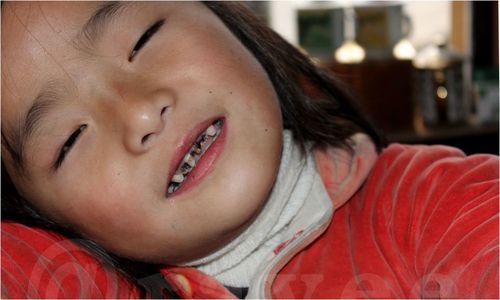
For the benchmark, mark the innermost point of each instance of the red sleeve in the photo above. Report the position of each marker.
(425, 224)
(37, 263)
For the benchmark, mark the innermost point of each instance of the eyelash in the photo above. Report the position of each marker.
(145, 38)
(68, 145)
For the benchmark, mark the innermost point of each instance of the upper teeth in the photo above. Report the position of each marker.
(211, 131)
(202, 143)
(189, 159)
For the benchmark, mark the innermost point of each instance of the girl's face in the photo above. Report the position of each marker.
(105, 101)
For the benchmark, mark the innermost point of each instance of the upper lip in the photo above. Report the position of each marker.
(185, 144)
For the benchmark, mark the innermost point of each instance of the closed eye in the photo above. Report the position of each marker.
(68, 145)
(145, 38)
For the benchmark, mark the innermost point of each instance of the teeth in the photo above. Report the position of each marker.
(178, 178)
(211, 131)
(189, 159)
(185, 169)
(202, 143)
(172, 188)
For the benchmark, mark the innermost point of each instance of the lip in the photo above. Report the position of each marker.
(203, 166)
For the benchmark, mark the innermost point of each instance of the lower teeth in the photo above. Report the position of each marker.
(189, 162)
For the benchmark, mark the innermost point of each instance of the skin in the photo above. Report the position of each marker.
(111, 186)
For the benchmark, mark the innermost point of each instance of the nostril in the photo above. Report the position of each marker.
(145, 138)
(163, 110)
(155, 127)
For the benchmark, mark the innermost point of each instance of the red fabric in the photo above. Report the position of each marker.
(425, 224)
(37, 263)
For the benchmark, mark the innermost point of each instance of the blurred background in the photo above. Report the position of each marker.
(425, 71)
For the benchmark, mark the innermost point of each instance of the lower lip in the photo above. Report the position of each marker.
(205, 164)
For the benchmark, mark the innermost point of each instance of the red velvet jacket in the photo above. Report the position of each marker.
(423, 224)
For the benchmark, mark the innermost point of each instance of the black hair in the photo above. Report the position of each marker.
(313, 106)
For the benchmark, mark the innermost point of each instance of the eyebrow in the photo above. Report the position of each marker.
(37, 113)
(96, 25)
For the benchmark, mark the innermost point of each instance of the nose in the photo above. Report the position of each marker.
(144, 120)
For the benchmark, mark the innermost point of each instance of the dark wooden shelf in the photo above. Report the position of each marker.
(470, 138)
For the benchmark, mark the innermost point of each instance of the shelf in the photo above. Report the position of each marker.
(470, 138)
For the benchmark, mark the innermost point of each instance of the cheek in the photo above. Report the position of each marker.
(102, 207)
(249, 171)
(123, 224)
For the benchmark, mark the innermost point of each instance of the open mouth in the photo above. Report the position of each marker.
(194, 154)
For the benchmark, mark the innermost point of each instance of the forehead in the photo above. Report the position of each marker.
(36, 37)
(31, 31)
